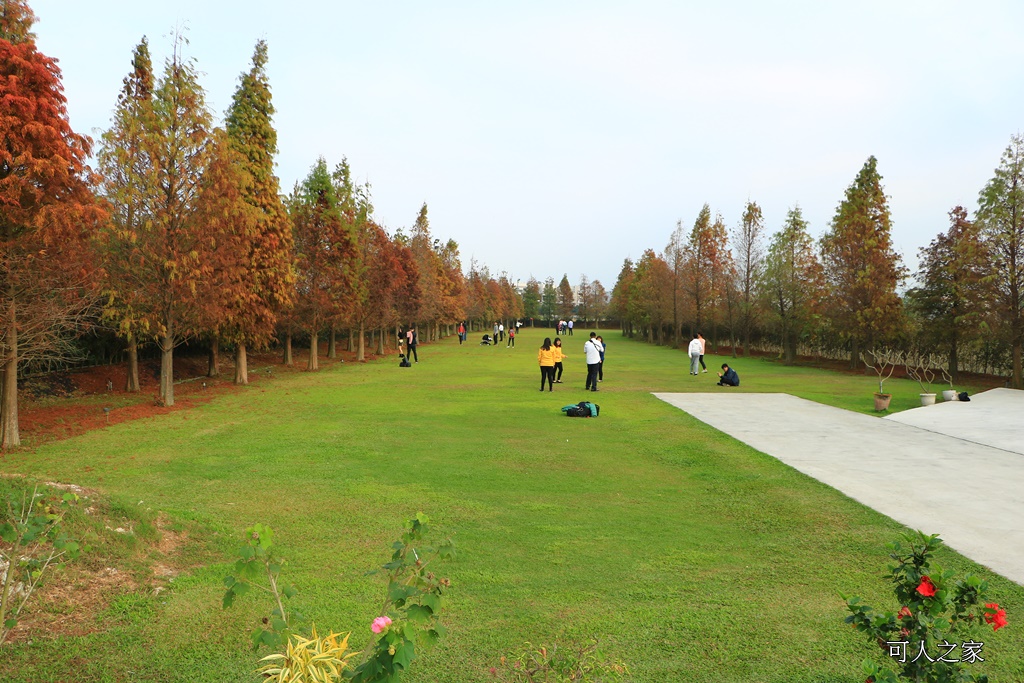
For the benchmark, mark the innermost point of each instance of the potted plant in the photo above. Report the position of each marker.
(947, 394)
(884, 363)
(921, 371)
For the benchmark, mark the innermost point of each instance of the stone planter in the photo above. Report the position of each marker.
(882, 401)
(927, 399)
(949, 395)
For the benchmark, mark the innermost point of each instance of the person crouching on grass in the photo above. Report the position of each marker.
(546, 359)
(729, 378)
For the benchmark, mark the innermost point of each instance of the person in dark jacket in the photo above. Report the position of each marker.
(728, 376)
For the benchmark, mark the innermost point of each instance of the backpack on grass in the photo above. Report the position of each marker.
(582, 409)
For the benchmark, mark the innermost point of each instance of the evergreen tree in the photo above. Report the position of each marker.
(1001, 214)
(953, 294)
(566, 300)
(531, 299)
(747, 240)
(861, 268)
(792, 283)
(549, 301)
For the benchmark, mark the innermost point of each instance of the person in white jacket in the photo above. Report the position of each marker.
(593, 350)
(696, 349)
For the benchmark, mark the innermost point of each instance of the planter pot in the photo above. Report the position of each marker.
(927, 399)
(882, 401)
(949, 395)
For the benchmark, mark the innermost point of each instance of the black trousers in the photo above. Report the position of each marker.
(412, 350)
(592, 370)
(547, 373)
(702, 362)
(600, 371)
(557, 370)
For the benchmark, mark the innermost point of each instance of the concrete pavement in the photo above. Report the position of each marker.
(969, 490)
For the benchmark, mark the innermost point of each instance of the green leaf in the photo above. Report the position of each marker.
(229, 599)
(404, 654)
(420, 613)
(290, 591)
(278, 625)
(246, 552)
(229, 581)
(10, 623)
(240, 588)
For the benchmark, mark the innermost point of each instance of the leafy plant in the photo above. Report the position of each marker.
(31, 541)
(257, 560)
(317, 659)
(577, 663)
(938, 613)
(407, 618)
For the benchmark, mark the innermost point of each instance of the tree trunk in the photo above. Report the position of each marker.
(361, 356)
(167, 370)
(380, 342)
(954, 361)
(9, 434)
(351, 340)
(854, 354)
(241, 365)
(214, 367)
(332, 344)
(1015, 381)
(314, 352)
(132, 384)
(288, 348)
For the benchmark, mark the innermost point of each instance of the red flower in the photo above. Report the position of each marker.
(995, 616)
(927, 588)
(905, 612)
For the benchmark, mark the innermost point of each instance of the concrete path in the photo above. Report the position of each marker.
(903, 471)
(993, 418)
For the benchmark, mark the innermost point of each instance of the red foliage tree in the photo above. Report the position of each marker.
(47, 210)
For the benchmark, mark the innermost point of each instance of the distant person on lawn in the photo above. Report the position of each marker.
(703, 350)
(695, 350)
(546, 360)
(729, 378)
(592, 348)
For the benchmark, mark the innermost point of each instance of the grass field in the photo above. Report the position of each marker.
(687, 554)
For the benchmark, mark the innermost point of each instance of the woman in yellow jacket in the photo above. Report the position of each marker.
(546, 358)
(557, 370)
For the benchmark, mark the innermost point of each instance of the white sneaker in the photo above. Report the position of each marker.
(705, 371)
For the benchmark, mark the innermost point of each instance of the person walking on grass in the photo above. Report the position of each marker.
(570, 327)
(495, 335)
(546, 360)
(703, 349)
(695, 349)
(559, 355)
(592, 348)
(511, 337)
(600, 366)
(462, 333)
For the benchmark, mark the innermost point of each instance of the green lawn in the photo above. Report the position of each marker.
(687, 554)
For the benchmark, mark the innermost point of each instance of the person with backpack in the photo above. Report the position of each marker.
(592, 348)
(559, 355)
(546, 360)
(511, 337)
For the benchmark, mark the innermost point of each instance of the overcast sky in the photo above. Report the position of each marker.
(562, 137)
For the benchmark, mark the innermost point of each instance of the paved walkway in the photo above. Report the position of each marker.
(904, 471)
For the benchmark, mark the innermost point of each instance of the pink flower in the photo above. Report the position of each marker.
(380, 624)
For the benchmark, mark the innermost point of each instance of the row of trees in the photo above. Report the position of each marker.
(182, 235)
(845, 290)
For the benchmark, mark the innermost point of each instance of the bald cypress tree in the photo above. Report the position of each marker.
(861, 267)
(49, 214)
(265, 251)
(127, 183)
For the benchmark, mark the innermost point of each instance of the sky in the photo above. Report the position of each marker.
(552, 138)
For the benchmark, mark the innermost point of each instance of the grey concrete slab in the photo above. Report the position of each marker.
(905, 472)
(994, 418)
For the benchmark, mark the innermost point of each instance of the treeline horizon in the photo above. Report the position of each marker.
(843, 293)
